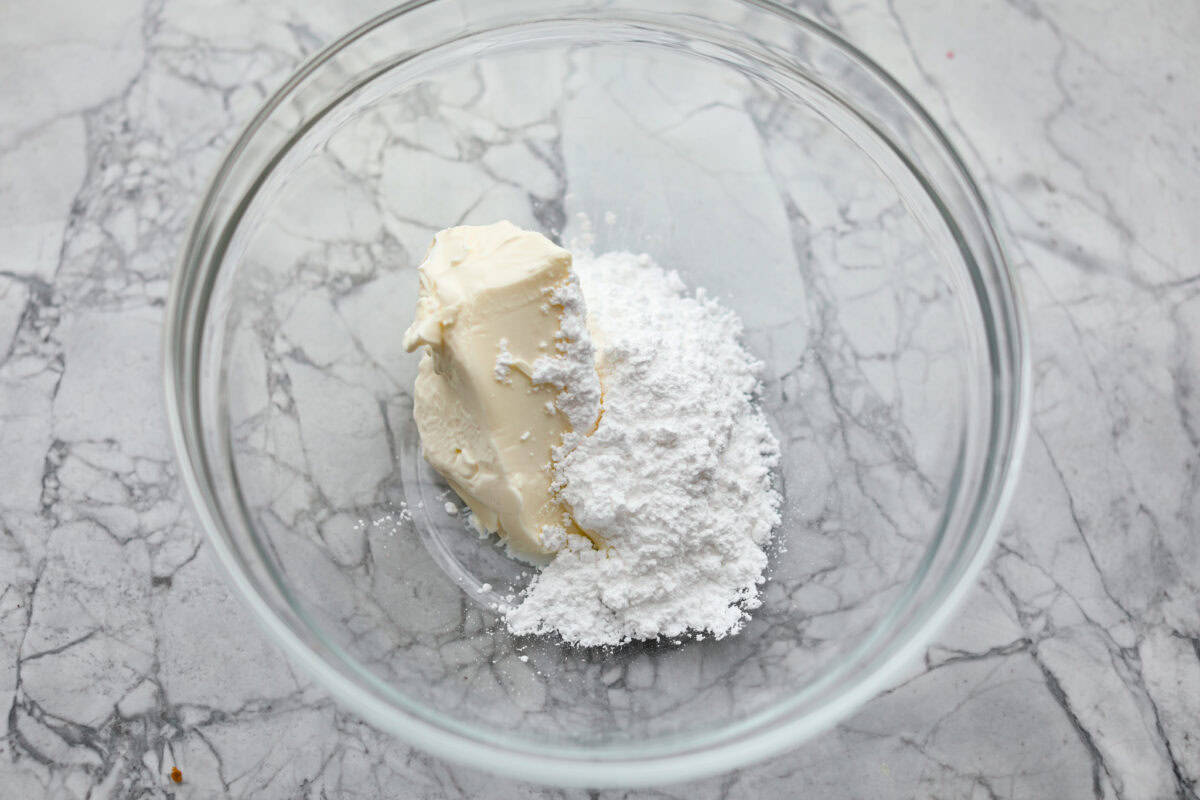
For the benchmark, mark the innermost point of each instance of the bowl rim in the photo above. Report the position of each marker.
(575, 765)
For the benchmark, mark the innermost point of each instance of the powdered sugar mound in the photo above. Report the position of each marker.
(572, 369)
(676, 478)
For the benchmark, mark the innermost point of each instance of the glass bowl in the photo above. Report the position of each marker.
(747, 147)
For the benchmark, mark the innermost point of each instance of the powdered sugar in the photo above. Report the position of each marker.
(675, 479)
(505, 361)
(572, 369)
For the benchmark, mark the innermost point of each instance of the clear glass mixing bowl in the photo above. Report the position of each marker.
(755, 152)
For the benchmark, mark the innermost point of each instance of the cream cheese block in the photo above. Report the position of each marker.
(507, 378)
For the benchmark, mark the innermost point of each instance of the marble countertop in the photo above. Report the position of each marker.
(1072, 670)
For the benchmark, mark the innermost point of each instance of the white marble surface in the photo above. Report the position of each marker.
(1072, 670)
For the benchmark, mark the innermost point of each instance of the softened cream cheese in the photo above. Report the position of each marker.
(507, 378)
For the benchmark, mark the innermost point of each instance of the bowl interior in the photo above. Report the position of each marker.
(771, 195)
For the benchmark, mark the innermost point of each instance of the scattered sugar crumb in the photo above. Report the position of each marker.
(451, 509)
(504, 362)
